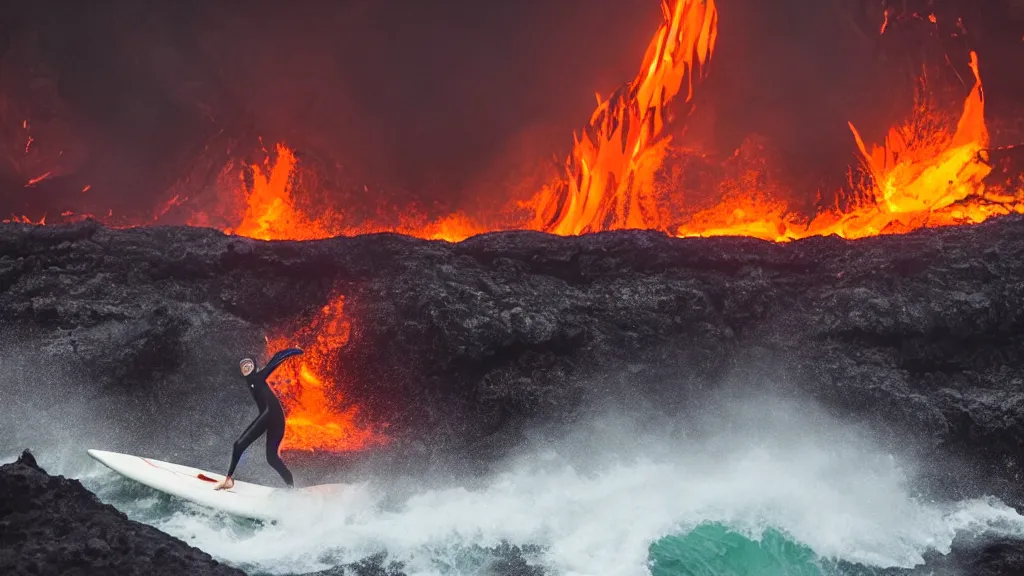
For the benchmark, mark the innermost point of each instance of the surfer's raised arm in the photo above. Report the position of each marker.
(277, 359)
(270, 421)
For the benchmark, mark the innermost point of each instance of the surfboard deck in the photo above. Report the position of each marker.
(246, 500)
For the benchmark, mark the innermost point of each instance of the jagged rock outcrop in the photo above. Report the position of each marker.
(53, 525)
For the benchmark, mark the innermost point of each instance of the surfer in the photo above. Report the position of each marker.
(270, 420)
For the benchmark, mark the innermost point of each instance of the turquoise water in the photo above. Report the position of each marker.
(712, 549)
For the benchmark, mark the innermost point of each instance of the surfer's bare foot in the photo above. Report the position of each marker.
(226, 484)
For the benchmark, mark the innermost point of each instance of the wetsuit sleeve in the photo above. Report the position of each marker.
(277, 359)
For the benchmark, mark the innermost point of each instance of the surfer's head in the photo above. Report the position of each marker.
(247, 366)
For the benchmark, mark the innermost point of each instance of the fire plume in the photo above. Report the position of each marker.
(928, 176)
(925, 174)
(315, 418)
(270, 212)
(610, 173)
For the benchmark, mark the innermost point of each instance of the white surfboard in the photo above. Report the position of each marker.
(244, 499)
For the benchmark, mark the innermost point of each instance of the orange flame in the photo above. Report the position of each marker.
(14, 219)
(315, 419)
(610, 173)
(270, 211)
(924, 175)
(928, 177)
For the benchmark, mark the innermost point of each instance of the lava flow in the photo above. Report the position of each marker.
(924, 175)
(316, 420)
(270, 212)
(610, 173)
(928, 177)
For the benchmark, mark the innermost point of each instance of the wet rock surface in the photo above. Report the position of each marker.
(984, 557)
(502, 560)
(53, 525)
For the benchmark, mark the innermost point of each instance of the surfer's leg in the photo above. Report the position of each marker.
(254, 431)
(275, 433)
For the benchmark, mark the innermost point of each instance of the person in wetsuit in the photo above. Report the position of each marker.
(270, 420)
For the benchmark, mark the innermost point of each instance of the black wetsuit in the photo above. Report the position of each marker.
(270, 419)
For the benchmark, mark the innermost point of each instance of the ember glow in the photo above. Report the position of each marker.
(37, 179)
(317, 419)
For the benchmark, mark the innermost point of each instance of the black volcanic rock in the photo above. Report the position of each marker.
(52, 525)
(990, 558)
(455, 346)
(967, 557)
(502, 560)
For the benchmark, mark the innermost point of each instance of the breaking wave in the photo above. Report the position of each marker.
(767, 489)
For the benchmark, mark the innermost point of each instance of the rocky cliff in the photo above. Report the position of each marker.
(456, 346)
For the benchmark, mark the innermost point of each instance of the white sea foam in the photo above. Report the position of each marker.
(596, 501)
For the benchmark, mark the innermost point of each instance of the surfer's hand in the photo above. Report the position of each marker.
(226, 484)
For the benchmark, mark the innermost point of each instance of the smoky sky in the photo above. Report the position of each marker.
(417, 100)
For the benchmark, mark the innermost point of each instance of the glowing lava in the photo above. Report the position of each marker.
(316, 419)
(928, 172)
(610, 173)
(270, 211)
(927, 176)
(924, 175)
(15, 219)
